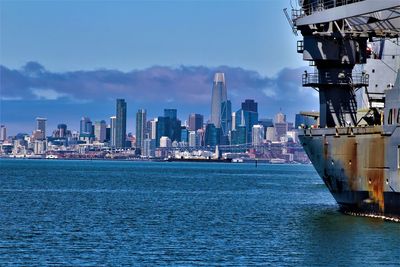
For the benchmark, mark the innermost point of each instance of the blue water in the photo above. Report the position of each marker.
(102, 213)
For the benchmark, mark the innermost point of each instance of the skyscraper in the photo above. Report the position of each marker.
(62, 130)
(120, 129)
(86, 126)
(3, 133)
(257, 134)
(100, 130)
(113, 127)
(41, 126)
(250, 105)
(140, 128)
(195, 122)
(219, 95)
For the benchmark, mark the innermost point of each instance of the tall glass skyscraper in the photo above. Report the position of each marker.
(221, 107)
(219, 95)
(120, 129)
(140, 128)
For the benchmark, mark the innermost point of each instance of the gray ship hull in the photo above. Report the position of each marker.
(359, 165)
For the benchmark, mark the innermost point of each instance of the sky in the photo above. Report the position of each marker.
(67, 59)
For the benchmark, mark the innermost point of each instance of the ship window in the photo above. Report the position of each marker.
(376, 85)
(393, 57)
(373, 70)
(398, 157)
(390, 116)
(398, 116)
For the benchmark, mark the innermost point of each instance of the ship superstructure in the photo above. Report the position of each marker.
(354, 47)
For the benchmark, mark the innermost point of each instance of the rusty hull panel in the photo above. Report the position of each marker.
(358, 165)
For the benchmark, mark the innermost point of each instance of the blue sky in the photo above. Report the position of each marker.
(66, 38)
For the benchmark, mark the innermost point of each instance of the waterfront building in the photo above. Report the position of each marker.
(120, 130)
(257, 135)
(193, 139)
(3, 133)
(39, 147)
(113, 127)
(140, 128)
(149, 147)
(195, 122)
(270, 134)
(165, 141)
(100, 130)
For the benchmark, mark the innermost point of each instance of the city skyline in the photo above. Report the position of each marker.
(82, 68)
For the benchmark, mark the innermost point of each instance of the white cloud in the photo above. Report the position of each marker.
(47, 94)
(269, 92)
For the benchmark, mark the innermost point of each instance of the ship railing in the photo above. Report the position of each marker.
(319, 5)
(314, 80)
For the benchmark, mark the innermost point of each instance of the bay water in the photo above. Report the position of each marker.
(114, 213)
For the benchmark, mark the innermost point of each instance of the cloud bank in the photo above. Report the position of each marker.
(187, 88)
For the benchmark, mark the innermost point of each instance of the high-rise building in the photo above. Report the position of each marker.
(257, 135)
(140, 128)
(219, 95)
(193, 139)
(165, 141)
(171, 113)
(250, 105)
(61, 131)
(149, 147)
(195, 122)
(113, 127)
(86, 126)
(270, 134)
(120, 129)
(247, 119)
(226, 118)
(239, 135)
(41, 126)
(304, 121)
(3, 133)
(100, 130)
(212, 135)
(233, 126)
(184, 134)
(153, 128)
(280, 117)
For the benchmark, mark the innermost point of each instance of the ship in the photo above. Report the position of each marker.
(352, 47)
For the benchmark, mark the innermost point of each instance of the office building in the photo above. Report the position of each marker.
(239, 135)
(165, 141)
(280, 117)
(113, 127)
(195, 122)
(194, 139)
(3, 133)
(212, 135)
(257, 134)
(140, 128)
(149, 147)
(219, 95)
(120, 129)
(100, 130)
(247, 119)
(250, 105)
(304, 121)
(41, 126)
